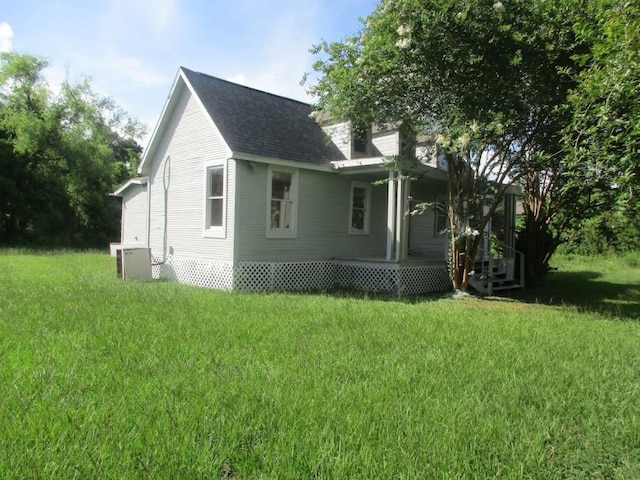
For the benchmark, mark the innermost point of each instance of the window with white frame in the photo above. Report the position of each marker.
(441, 220)
(360, 208)
(361, 139)
(282, 194)
(215, 200)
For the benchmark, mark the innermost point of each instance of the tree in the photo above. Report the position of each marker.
(480, 78)
(60, 156)
(598, 172)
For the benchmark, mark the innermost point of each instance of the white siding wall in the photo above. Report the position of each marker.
(323, 219)
(423, 239)
(387, 143)
(340, 134)
(188, 143)
(134, 216)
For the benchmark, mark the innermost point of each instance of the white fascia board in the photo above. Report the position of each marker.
(178, 84)
(206, 113)
(357, 162)
(127, 184)
(162, 120)
(281, 162)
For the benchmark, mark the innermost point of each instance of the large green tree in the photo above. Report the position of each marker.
(60, 156)
(595, 180)
(481, 78)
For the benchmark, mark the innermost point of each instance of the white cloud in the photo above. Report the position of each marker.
(132, 69)
(157, 15)
(283, 57)
(239, 78)
(6, 37)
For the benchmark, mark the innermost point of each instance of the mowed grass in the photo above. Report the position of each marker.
(101, 378)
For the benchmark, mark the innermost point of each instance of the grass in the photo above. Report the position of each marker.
(103, 378)
(608, 285)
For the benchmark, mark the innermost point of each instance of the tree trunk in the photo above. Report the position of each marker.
(538, 244)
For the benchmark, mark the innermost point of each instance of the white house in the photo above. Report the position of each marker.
(242, 189)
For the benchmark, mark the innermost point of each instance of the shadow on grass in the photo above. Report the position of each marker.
(355, 294)
(586, 291)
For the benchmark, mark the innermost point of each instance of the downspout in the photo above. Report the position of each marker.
(165, 183)
(149, 213)
(166, 176)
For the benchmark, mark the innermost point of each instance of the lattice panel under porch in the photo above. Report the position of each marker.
(284, 276)
(372, 277)
(198, 272)
(155, 265)
(424, 278)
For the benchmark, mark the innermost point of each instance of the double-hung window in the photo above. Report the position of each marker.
(360, 141)
(282, 194)
(215, 205)
(441, 220)
(360, 208)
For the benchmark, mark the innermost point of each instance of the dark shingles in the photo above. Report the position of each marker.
(261, 123)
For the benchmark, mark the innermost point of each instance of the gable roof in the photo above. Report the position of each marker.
(260, 123)
(142, 181)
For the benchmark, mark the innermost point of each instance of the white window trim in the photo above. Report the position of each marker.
(441, 200)
(283, 232)
(367, 208)
(217, 231)
(367, 146)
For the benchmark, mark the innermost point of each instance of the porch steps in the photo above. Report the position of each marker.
(480, 282)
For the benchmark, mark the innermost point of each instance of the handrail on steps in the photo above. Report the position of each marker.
(507, 252)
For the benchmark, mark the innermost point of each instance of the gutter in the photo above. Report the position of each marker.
(248, 157)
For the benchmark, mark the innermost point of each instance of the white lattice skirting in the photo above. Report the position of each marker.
(280, 276)
(296, 276)
(392, 277)
(194, 271)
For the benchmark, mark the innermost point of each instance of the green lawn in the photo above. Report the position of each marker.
(102, 378)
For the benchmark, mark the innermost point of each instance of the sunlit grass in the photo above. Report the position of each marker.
(104, 378)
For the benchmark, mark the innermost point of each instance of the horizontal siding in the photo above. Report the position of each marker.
(177, 176)
(323, 219)
(386, 143)
(423, 240)
(134, 216)
(340, 135)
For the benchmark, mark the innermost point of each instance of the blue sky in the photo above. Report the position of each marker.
(131, 49)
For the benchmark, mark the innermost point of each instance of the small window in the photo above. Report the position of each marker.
(215, 201)
(360, 208)
(361, 139)
(441, 216)
(282, 194)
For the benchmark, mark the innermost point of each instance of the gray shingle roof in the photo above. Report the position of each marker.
(260, 123)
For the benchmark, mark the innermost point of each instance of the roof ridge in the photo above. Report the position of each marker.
(245, 86)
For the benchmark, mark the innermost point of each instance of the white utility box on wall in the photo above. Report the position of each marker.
(134, 263)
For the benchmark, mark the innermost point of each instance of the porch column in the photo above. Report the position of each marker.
(405, 218)
(399, 217)
(391, 215)
(509, 219)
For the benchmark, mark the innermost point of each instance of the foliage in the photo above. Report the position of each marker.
(598, 174)
(109, 379)
(480, 79)
(612, 232)
(604, 132)
(60, 156)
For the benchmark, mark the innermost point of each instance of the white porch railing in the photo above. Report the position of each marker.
(495, 267)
